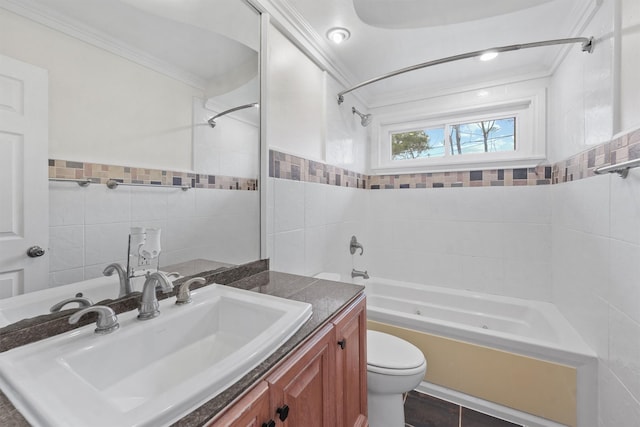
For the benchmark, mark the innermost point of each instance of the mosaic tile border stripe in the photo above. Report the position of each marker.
(580, 166)
(540, 175)
(288, 166)
(101, 173)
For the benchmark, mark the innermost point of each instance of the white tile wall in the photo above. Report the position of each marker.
(596, 221)
(596, 266)
(493, 240)
(312, 226)
(576, 244)
(89, 227)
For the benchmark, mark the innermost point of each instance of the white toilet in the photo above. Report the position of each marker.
(394, 367)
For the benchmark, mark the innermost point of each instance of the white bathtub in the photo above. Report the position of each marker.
(530, 328)
(535, 328)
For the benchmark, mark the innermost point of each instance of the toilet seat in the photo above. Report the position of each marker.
(389, 355)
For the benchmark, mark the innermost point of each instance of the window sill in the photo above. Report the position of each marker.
(460, 166)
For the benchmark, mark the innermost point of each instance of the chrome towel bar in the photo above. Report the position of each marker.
(81, 182)
(112, 183)
(621, 169)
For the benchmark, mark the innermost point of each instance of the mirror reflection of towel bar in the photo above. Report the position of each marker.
(112, 183)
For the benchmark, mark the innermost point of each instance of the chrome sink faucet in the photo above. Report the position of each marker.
(107, 320)
(149, 306)
(125, 283)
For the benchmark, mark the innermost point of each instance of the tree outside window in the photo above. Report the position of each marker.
(418, 144)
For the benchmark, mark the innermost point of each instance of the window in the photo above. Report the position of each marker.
(484, 136)
(495, 136)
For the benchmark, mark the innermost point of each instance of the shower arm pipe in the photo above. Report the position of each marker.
(211, 121)
(587, 46)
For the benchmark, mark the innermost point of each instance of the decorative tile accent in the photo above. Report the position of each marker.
(479, 178)
(288, 166)
(99, 173)
(582, 165)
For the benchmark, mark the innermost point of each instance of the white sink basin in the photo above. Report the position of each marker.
(36, 303)
(149, 373)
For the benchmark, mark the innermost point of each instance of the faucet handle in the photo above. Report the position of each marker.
(107, 320)
(184, 294)
(354, 245)
(84, 302)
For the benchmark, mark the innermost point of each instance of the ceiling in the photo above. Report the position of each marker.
(387, 35)
(213, 42)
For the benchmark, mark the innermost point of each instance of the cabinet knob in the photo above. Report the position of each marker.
(269, 423)
(342, 343)
(283, 412)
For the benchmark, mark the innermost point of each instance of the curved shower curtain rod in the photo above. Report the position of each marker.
(212, 120)
(587, 46)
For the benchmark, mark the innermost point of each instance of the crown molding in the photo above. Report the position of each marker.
(585, 13)
(315, 46)
(297, 29)
(80, 31)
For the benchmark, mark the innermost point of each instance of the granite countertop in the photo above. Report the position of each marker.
(326, 297)
(196, 266)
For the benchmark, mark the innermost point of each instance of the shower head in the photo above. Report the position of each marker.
(365, 119)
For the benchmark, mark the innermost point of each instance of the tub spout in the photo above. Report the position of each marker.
(357, 273)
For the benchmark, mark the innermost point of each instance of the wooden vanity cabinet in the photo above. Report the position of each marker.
(302, 389)
(321, 384)
(252, 410)
(351, 365)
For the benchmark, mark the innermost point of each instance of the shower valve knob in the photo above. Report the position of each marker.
(35, 251)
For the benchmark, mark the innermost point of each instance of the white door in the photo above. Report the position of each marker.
(24, 187)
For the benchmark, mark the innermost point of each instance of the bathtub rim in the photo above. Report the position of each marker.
(576, 353)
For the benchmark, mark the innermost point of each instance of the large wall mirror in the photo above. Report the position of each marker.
(132, 88)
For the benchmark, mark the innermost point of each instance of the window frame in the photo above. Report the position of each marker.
(529, 139)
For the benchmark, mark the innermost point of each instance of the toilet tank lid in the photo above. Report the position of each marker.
(388, 351)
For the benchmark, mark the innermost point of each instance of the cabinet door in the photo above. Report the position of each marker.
(250, 411)
(302, 389)
(351, 365)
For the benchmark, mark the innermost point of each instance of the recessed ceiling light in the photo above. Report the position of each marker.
(338, 35)
(488, 56)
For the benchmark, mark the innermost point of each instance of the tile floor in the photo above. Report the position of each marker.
(422, 410)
